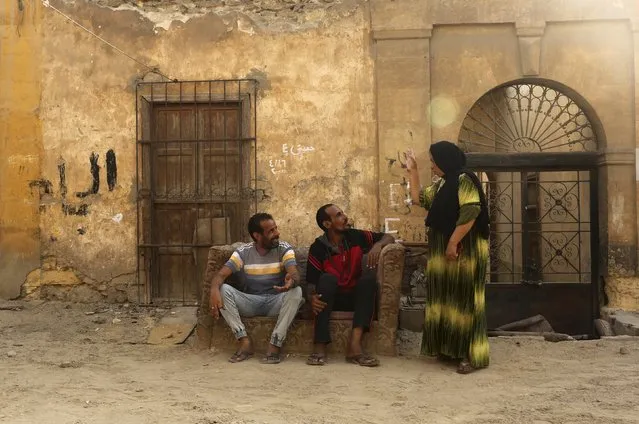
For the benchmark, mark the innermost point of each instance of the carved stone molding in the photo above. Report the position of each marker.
(403, 34)
(617, 157)
(530, 48)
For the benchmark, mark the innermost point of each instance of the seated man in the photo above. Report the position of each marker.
(271, 287)
(343, 282)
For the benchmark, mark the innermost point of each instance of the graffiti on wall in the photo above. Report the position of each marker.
(277, 166)
(401, 221)
(80, 209)
(399, 198)
(280, 166)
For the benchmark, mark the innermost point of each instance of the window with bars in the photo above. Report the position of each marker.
(196, 160)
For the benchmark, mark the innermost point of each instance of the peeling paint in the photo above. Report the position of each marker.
(163, 17)
(244, 16)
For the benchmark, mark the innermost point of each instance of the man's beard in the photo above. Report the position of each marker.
(347, 227)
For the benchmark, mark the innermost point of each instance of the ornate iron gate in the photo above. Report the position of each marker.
(534, 149)
(541, 226)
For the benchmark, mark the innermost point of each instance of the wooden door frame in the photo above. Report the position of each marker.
(238, 94)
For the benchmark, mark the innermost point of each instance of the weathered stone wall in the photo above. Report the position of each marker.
(314, 64)
(20, 143)
(469, 47)
(357, 80)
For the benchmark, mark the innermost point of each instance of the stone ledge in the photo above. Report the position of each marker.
(624, 323)
(617, 157)
(402, 34)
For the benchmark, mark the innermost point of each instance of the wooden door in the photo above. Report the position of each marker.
(197, 175)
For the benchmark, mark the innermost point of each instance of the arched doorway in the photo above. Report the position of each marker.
(534, 144)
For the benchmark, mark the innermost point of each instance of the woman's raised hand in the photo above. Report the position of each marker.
(411, 162)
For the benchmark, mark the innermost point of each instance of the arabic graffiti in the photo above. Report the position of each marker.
(298, 150)
(112, 169)
(399, 198)
(277, 166)
(280, 166)
(81, 209)
(95, 177)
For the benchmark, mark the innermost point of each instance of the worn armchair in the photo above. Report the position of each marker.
(381, 340)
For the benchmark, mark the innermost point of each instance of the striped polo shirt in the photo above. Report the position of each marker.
(260, 273)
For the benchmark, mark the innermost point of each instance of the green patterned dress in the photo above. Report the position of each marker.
(455, 322)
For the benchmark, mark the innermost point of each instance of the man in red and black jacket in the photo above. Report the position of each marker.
(342, 264)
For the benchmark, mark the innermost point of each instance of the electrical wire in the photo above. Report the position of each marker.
(47, 4)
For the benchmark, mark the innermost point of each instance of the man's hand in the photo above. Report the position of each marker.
(288, 283)
(216, 302)
(316, 304)
(373, 255)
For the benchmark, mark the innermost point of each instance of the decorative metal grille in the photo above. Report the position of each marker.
(540, 226)
(541, 219)
(526, 118)
(196, 162)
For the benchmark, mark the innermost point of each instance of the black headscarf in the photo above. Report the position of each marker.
(444, 211)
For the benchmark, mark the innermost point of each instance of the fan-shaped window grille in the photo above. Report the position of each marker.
(526, 118)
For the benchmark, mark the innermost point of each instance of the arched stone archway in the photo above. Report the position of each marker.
(535, 147)
(528, 117)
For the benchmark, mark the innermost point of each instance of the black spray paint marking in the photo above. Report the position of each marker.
(112, 170)
(63, 179)
(67, 209)
(81, 210)
(95, 175)
(44, 186)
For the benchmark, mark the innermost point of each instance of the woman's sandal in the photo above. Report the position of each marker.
(464, 367)
(363, 360)
(316, 359)
(240, 356)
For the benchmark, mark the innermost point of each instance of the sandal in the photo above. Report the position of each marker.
(363, 360)
(271, 359)
(240, 356)
(316, 359)
(464, 367)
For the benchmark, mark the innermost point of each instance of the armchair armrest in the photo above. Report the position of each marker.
(218, 255)
(389, 276)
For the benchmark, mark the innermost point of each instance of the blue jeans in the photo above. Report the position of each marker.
(239, 304)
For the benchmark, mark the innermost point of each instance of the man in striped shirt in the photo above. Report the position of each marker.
(270, 280)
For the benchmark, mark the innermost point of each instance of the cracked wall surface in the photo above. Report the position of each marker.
(353, 79)
(265, 15)
(313, 62)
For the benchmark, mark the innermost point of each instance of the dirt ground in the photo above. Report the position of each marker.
(60, 365)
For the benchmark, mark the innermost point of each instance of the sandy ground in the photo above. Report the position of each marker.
(59, 365)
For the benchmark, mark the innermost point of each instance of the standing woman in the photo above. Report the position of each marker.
(458, 230)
